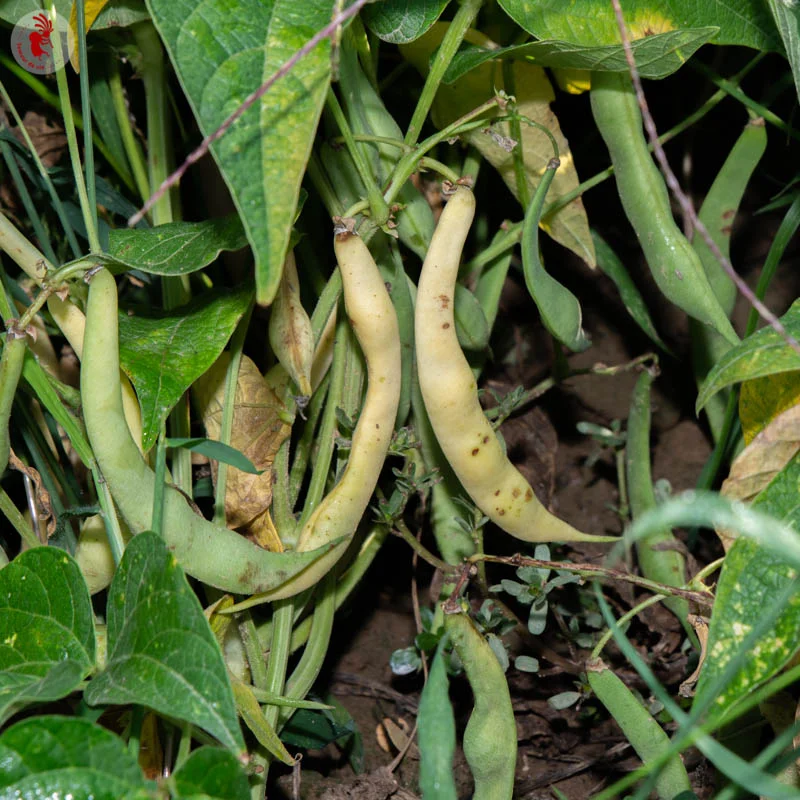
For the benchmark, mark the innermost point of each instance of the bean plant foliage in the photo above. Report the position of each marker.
(217, 401)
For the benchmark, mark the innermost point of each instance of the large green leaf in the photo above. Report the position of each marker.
(47, 643)
(166, 353)
(592, 22)
(402, 21)
(161, 651)
(656, 56)
(787, 18)
(751, 579)
(223, 50)
(12, 10)
(764, 353)
(176, 248)
(52, 757)
(213, 773)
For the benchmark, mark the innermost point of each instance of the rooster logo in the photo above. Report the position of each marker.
(40, 38)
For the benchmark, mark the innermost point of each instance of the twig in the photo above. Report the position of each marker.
(683, 200)
(701, 598)
(284, 69)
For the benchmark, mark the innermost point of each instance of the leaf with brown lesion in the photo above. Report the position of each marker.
(756, 466)
(259, 429)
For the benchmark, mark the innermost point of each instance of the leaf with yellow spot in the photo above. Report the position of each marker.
(533, 92)
(92, 9)
(763, 399)
(573, 81)
(259, 428)
(752, 580)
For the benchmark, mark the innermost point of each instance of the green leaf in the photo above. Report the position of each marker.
(165, 353)
(751, 579)
(47, 643)
(223, 50)
(254, 718)
(12, 10)
(211, 772)
(472, 327)
(402, 21)
(437, 734)
(121, 14)
(49, 756)
(313, 730)
(218, 451)
(177, 248)
(656, 56)
(787, 18)
(592, 22)
(161, 651)
(764, 353)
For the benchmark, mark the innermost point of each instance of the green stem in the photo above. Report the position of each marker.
(11, 363)
(405, 534)
(133, 149)
(408, 164)
(310, 664)
(379, 209)
(228, 410)
(89, 212)
(460, 24)
(113, 530)
(86, 108)
(252, 649)
(624, 619)
(282, 621)
(515, 130)
(319, 474)
(17, 520)
(302, 452)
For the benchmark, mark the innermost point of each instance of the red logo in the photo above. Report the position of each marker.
(32, 43)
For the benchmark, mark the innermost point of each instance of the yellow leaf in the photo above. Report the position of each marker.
(533, 92)
(92, 9)
(763, 399)
(573, 81)
(259, 429)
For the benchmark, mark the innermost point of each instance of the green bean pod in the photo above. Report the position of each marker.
(645, 735)
(213, 554)
(558, 307)
(673, 262)
(10, 370)
(490, 738)
(718, 213)
(657, 553)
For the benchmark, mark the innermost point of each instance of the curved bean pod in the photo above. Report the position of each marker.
(213, 554)
(647, 737)
(374, 322)
(490, 738)
(450, 394)
(673, 262)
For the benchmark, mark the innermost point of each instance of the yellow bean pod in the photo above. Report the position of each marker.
(374, 322)
(450, 393)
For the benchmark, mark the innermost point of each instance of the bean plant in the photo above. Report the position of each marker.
(248, 318)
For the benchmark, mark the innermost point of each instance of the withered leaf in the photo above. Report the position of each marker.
(766, 455)
(259, 429)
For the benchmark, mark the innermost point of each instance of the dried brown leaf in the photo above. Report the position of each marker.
(766, 455)
(259, 429)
